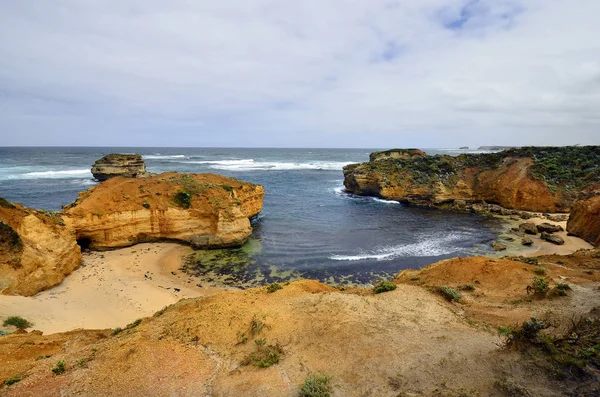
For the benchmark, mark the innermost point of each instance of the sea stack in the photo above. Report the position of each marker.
(115, 164)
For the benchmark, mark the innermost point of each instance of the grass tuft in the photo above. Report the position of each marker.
(384, 286)
(316, 386)
(18, 322)
(274, 287)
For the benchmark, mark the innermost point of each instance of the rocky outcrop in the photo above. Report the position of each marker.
(549, 228)
(37, 250)
(530, 179)
(112, 165)
(584, 220)
(396, 154)
(552, 238)
(204, 210)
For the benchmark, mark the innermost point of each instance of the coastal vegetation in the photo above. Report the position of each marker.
(18, 322)
(59, 368)
(316, 386)
(384, 286)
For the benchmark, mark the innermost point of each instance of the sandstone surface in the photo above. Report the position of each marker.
(204, 210)
(531, 179)
(115, 164)
(584, 220)
(37, 250)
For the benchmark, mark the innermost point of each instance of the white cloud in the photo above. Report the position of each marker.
(314, 73)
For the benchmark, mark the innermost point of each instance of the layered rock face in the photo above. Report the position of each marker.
(531, 179)
(584, 220)
(396, 154)
(112, 165)
(37, 250)
(204, 210)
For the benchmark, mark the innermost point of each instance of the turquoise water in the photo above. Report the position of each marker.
(308, 228)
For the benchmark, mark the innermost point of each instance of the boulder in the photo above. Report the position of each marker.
(552, 238)
(112, 165)
(549, 228)
(584, 220)
(37, 250)
(528, 228)
(526, 241)
(204, 210)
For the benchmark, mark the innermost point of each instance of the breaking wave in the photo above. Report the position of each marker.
(252, 165)
(160, 157)
(429, 246)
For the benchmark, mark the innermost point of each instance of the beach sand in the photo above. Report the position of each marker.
(110, 289)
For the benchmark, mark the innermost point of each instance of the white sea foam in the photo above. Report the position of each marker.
(341, 191)
(252, 165)
(428, 246)
(52, 174)
(160, 157)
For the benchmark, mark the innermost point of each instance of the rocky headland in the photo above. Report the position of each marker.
(116, 164)
(37, 249)
(541, 179)
(204, 210)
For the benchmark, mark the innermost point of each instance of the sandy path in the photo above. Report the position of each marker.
(110, 289)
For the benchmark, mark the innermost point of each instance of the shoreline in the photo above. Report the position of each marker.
(114, 288)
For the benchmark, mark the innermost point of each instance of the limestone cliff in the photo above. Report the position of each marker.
(112, 165)
(205, 210)
(584, 220)
(37, 250)
(396, 154)
(547, 179)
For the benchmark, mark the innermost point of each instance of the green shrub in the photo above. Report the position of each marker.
(274, 287)
(134, 324)
(12, 381)
(116, 331)
(227, 187)
(563, 287)
(10, 237)
(145, 204)
(316, 386)
(183, 199)
(265, 355)
(449, 293)
(18, 322)
(540, 285)
(540, 271)
(384, 286)
(466, 287)
(60, 368)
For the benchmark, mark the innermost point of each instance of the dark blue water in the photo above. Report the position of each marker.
(308, 227)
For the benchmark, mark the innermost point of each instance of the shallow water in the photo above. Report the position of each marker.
(308, 228)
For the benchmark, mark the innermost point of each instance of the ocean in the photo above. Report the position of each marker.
(309, 226)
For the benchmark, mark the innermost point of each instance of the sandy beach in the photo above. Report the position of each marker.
(110, 289)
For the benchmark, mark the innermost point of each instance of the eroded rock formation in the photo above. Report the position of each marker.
(584, 220)
(37, 250)
(531, 179)
(396, 154)
(204, 210)
(112, 165)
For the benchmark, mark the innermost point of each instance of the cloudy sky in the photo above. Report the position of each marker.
(308, 73)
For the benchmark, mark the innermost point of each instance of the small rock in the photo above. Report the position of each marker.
(527, 241)
(497, 246)
(507, 238)
(552, 238)
(528, 228)
(549, 228)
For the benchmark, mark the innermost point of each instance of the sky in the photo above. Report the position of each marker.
(309, 73)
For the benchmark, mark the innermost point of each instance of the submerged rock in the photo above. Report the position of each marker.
(37, 250)
(115, 164)
(498, 246)
(204, 210)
